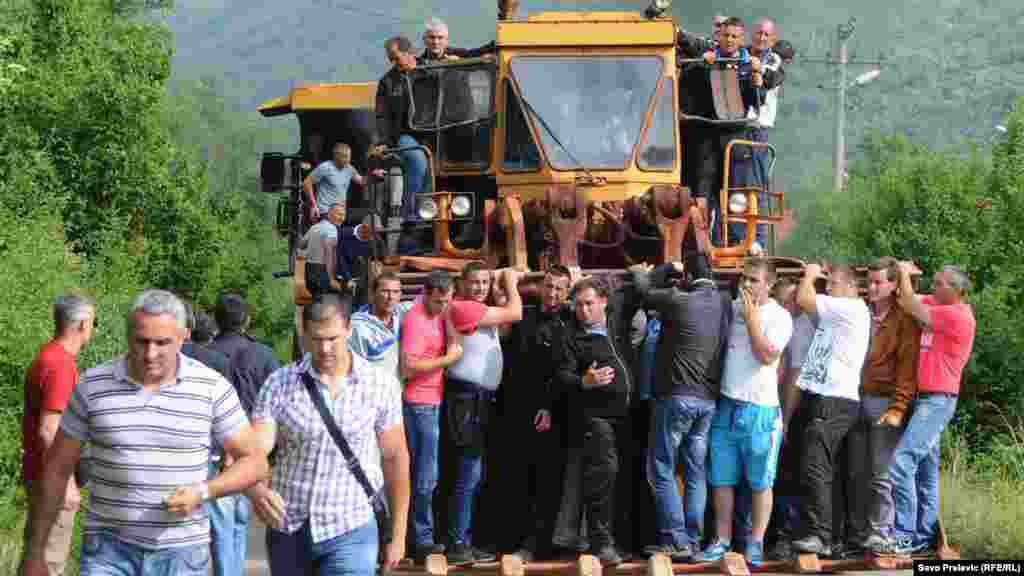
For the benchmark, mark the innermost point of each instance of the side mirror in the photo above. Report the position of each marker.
(278, 172)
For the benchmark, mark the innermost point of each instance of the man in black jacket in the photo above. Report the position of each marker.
(530, 425)
(393, 123)
(688, 358)
(596, 372)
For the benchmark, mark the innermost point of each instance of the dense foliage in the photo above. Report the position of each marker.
(937, 208)
(102, 190)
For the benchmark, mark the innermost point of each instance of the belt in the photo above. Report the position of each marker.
(930, 394)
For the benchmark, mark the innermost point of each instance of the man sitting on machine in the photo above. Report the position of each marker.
(719, 90)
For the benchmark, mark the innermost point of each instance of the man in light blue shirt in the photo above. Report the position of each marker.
(331, 180)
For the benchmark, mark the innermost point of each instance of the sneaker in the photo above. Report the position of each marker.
(525, 554)
(608, 556)
(714, 551)
(463, 554)
(753, 553)
(904, 545)
(420, 557)
(677, 553)
(783, 550)
(879, 545)
(811, 545)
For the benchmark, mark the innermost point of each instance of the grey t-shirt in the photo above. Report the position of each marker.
(321, 232)
(331, 184)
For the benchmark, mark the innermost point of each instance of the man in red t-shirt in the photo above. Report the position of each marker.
(947, 336)
(48, 385)
(429, 344)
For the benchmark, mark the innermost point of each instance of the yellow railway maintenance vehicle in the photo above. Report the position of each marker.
(568, 151)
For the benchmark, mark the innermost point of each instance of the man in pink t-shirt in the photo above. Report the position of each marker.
(947, 336)
(429, 344)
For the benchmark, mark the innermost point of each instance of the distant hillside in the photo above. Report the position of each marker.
(953, 66)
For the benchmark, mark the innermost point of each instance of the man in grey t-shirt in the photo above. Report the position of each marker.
(331, 180)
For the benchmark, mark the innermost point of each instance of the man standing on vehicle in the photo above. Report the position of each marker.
(596, 371)
(746, 430)
(429, 345)
(470, 389)
(435, 38)
(49, 382)
(947, 337)
(888, 385)
(149, 418)
(694, 331)
(331, 180)
(377, 326)
(317, 510)
(829, 382)
(393, 123)
(528, 416)
(319, 243)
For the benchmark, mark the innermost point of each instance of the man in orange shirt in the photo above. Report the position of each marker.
(48, 385)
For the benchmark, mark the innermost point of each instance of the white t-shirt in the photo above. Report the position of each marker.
(836, 356)
(482, 361)
(745, 377)
(803, 333)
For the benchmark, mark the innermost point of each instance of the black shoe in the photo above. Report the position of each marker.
(812, 545)
(463, 554)
(423, 551)
(681, 553)
(608, 556)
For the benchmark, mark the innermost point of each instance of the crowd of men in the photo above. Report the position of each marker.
(594, 420)
(554, 417)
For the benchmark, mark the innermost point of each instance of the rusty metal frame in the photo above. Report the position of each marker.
(752, 217)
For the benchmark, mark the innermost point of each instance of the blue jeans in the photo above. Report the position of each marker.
(353, 553)
(105, 555)
(229, 528)
(762, 177)
(414, 173)
(679, 430)
(914, 468)
(467, 485)
(422, 423)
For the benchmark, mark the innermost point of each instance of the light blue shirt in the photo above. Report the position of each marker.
(331, 184)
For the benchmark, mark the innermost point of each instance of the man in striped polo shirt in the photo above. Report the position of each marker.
(149, 418)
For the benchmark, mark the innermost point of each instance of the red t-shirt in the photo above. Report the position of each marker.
(49, 382)
(946, 347)
(423, 337)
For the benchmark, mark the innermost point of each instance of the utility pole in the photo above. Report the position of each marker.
(843, 34)
(840, 59)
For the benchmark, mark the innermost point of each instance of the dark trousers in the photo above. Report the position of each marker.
(591, 472)
(531, 480)
(829, 420)
(788, 488)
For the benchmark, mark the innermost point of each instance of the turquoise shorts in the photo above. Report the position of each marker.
(744, 444)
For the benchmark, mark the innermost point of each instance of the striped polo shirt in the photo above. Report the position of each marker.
(144, 446)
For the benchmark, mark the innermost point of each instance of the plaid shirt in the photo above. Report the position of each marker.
(310, 471)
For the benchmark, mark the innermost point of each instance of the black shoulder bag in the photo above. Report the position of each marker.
(378, 500)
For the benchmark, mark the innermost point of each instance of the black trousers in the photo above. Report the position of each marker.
(532, 481)
(592, 469)
(829, 420)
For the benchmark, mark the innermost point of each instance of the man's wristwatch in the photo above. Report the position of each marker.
(204, 491)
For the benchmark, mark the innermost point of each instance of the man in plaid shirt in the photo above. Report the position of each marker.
(316, 510)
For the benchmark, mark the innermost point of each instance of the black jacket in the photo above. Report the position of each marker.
(694, 335)
(581, 349)
(204, 355)
(249, 365)
(392, 107)
(533, 356)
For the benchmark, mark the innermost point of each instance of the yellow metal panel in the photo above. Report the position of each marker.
(585, 17)
(357, 95)
(586, 33)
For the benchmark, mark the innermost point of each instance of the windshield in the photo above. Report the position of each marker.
(593, 105)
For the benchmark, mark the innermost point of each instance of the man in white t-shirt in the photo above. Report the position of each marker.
(746, 431)
(829, 382)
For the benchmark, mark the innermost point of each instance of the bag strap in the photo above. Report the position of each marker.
(339, 440)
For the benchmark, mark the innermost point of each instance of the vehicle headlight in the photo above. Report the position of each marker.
(461, 206)
(662, 4)
(427, 209)
(738, 203)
